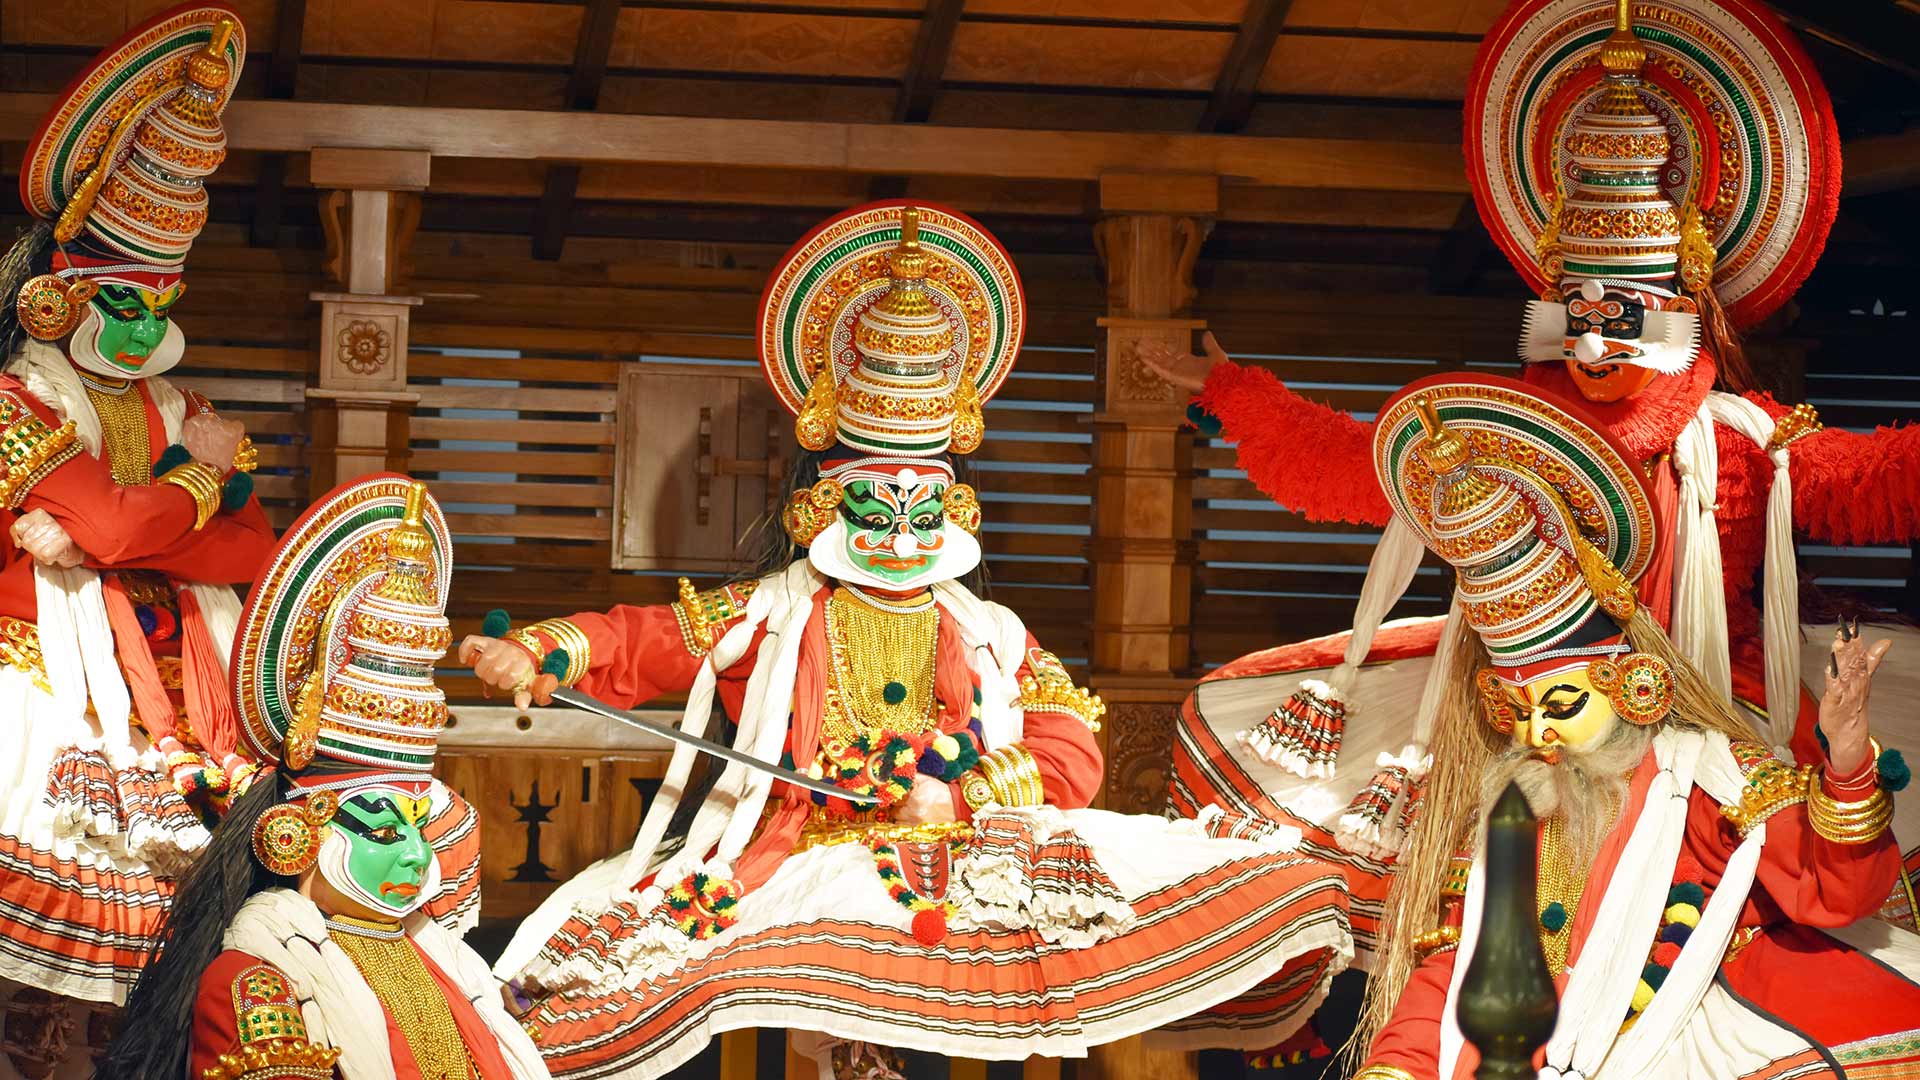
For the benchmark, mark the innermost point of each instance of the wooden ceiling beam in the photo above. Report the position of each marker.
(1881, 31)
(926, 69)
(585, 78)
(283, 81)
(298, 126)
(1233, 92)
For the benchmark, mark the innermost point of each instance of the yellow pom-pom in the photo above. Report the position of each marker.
(947, 747)
(1684, 914)
(1642, 996)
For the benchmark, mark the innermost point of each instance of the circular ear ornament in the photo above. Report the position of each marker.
(962, 507)
(810, 511)
(50, 308)
(1640, 687)
(286, 841)
(1494, 700)
(321, 806)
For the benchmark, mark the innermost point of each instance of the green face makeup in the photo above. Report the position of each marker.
(387, 857)
(894, 532)
(134, 323)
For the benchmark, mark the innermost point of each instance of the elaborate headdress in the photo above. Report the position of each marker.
(889, 327)
(1621, 144)
(118, 166)
(335, 655)
(1543, 515)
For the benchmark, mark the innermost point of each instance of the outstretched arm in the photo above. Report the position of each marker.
(1306, 456)
(1852, 487)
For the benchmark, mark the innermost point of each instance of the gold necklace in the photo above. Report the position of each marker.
(123, 429)
(881, 675)
(1560, 885)
(399, 978)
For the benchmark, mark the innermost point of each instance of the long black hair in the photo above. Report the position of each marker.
(766, 548)
(156, 1030)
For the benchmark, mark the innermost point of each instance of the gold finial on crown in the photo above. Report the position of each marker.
(209, 68)
(410, 554)
(1623, 55)
(1445, 450)
(907, 266)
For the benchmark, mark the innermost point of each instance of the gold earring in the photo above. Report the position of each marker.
(1493, 699)
(49, 308)
(1640, 687)
(810, 511)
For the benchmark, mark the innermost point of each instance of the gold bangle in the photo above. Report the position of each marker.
(1437, 941)
(1860, 822)
(1382, 1072)
(573, 640)
(203, 483)
(1015, 776)
(525, 638)
(975, 789)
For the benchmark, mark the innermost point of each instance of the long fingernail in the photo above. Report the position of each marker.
(1833, 665)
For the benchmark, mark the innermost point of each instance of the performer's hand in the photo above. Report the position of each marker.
(37, 534)
(930, 800)
(1843, 707)
(1185, 370)
(211, 440)
(506, 667)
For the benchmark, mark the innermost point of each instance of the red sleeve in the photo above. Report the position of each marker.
(636, 654)
(111, 523)
(247, 1005)
(1304, 455)
(1852, 487)
(1410, 1039)
(1058, 732)
(229, 550)
(1814, 881)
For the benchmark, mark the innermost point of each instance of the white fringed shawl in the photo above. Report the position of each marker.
(285, 929)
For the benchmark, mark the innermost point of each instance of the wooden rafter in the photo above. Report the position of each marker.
(283, 79)
(584, 80)
(1881, 31)
(926, 68)
(1465, 244)
(1232, 101)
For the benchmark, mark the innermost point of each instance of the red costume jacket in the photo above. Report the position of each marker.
(639, 653)
(248, 1009)
(1778, 956)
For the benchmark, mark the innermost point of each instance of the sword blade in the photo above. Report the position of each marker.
(587, 703)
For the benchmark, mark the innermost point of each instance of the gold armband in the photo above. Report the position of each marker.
(1382, 1072)
(1799, 423)
(203, 483)
(29, 450)
(704, 616)
(1772, 786)
(1860, 822)
(1013, 775)
(1436, 941)
(566, 637)
(1049, 689)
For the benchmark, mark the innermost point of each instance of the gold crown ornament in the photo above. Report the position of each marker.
(1543, 516)
(888, 328)
(339, 637)
(1623, 144)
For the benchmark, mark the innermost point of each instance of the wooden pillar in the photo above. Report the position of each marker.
(1142, 548)
(360, 406)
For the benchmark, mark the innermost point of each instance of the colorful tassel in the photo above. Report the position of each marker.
(1373, 824)
(495, 624)
(1303, 735)
(83, 794)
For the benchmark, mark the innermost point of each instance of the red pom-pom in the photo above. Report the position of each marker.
(1666, 953)
(1688, 869)
(930, 926)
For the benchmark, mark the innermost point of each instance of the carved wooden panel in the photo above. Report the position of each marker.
(697, 461)
(1139, 755)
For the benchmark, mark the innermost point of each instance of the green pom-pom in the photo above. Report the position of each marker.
(1686, 892)
(1203, 421)
(496, 623)
(170, 459)
(1894, 772)
(1653, 975)
(236, 491)
(556, 664)
(894, 692)
(1553, 917)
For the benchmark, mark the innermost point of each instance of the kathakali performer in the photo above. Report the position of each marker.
(1697, 896)
(297, 948)
(1664, 173)
(979, 910)
(128, 515)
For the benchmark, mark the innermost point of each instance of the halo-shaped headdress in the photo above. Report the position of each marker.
(1543, 514)
(356, 591)
(1741, 139)
(888, 327)
(118, 164)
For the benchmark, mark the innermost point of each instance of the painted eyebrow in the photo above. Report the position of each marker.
(1552, 690)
